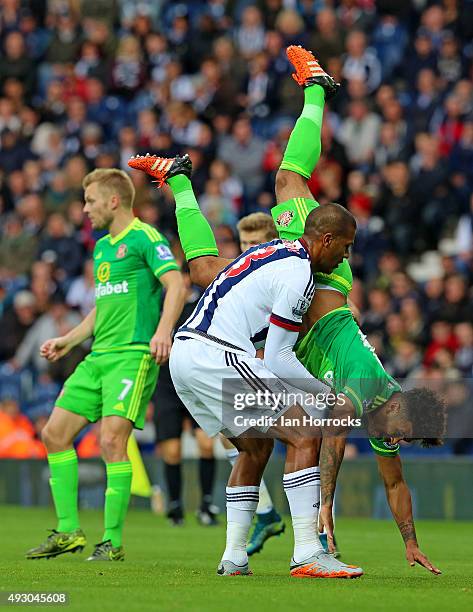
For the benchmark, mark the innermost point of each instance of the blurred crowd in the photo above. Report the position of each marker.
(88, 83)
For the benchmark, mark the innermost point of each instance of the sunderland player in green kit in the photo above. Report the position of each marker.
(132, 265)
(334, 349)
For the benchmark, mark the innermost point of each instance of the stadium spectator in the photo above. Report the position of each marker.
(56, 322)
(359, 134)
(17, 248)
(361, 62)
(16, 62)
(249, 35)
(15, 323)
(328, 36)
(81, 294)
(244, 154)
(58, 241)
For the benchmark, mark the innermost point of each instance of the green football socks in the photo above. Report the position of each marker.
(195, 233)
(303, 148)
(117, 497)
(64, 481)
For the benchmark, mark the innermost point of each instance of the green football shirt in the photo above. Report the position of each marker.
(289, 219)
(128, 293)
(337, 352)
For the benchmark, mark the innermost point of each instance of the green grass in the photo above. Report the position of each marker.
(174, 568)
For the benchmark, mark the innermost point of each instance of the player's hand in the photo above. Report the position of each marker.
(326, 524)
(54, 349)
(160, 346)
(414, 555)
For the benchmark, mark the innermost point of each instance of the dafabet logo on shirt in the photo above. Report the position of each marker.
(103, 272)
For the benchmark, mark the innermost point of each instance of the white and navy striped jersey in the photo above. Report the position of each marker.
(268, 283)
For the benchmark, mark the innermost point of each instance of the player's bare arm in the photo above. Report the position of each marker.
(331, 457)
(399, 500)
(160, 344)
(55, 348)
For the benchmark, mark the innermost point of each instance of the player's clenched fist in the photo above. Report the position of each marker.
(160, 346)
(54, 349)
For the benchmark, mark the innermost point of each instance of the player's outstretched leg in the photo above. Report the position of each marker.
(195, 233)
(294, 198)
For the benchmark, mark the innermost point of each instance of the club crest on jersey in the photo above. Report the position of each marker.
(285, 218)
(122, 251)
(300, 309)
(103, 272)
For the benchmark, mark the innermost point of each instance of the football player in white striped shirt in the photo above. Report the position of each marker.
(269, 287)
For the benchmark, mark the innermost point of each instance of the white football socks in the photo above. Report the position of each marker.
(265, 503)
(303, 494)
(241, 506)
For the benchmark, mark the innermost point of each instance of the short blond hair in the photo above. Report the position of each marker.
(257, 222)
(114, 181)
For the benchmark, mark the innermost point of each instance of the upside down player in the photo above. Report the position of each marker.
(132, 264)
(323, 355)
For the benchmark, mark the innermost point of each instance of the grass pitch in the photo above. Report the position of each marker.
(171, 568)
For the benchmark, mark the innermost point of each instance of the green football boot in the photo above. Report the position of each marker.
(266, 526)
(104, 551)
(58, 543)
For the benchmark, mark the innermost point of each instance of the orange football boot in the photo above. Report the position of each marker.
(309, 71)
(161, 168)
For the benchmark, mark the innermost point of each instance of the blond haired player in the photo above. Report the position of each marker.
(132, 336)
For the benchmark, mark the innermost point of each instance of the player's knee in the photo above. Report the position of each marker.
(113, 446)
(206, 447)
(171, 451)
(52, 439)
(282, 178)
(287, 183)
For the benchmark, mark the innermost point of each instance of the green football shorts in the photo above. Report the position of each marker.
(107, 384)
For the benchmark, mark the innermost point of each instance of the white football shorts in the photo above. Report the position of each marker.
(225, 391)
